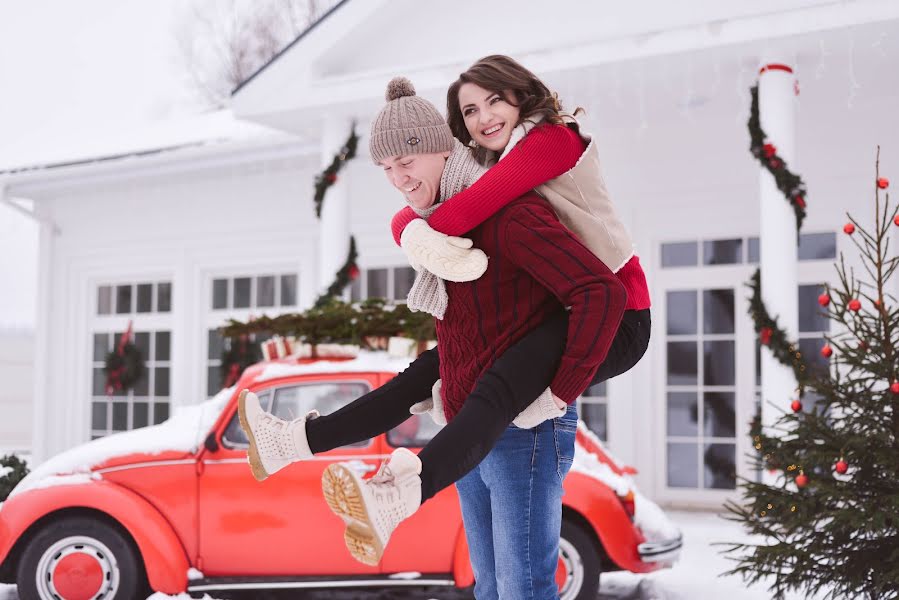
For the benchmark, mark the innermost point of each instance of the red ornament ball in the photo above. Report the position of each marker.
(826, 351)
(353, 272)
(800, 201)
(331, 177)
(849, 228)
(823, 299)
(896, 220)
(883, 183)
(802, 480)
(854, 305)
(895, 388)
(765, 335)
(841, 467)
(769, 150)
(796, 405)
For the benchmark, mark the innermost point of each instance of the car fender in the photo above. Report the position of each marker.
(162, 552)
(462, 572)
(602, 509)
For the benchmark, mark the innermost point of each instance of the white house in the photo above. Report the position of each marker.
(212, 219)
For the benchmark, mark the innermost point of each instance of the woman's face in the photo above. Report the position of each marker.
(489, 117)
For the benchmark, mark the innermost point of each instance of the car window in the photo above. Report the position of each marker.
(414, 432)
(291, 402)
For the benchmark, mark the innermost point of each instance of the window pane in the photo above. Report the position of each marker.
(216, 345)
(719, 363)
(816, 246)
(752, 250)
(682, 363)
(719, 414)
(104, 300)
(722, 252)
(265, 291)
(403, 278)
(123, 299)
(99, 382)
(812, 317)
(720, 466)
(119, 416)
(141, 414)
(213, 380)
(683, 413)
(680, 254)
(160, 412)
(414, 432)
(145, 297)
(811, 352)
(377, 283)
(288, 290)
(163, 345)
(101, 346)
(682, 310)
(595, 416)
(142, 342)
(219, 293)
(142, 385)
(596, 391)
(718, 311)
(98, 415)
(683, 465)
(164, 297)
(356, 290)
(161, 382)
(242, 292)
(295, 401)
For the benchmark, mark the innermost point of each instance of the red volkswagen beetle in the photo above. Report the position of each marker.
(174, 508)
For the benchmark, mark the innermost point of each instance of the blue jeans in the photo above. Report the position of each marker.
(512, 510)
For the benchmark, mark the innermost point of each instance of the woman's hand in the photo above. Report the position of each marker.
(545, 407)
(450, 258)
(559, 402)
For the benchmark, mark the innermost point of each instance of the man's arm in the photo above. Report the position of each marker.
(535, 240)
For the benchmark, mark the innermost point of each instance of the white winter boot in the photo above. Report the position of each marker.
(373, 508)
(274, 443)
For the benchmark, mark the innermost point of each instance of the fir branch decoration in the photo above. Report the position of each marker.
(347, 273)
(790, 184)
(328, 177)
(12, 470)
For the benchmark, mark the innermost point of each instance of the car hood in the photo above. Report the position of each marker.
(180, 435)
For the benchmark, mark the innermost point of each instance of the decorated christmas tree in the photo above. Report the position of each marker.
(826, 518)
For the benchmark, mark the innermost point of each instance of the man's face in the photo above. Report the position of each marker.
(417, 176)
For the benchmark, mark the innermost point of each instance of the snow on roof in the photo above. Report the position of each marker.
(184, 432)
(150, 139)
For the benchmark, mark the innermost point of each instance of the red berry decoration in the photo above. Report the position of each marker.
(796, 405)
(895, 388)
(353, 272)
(826, 351)
(849, 228)
(855, 305)
(802, 480)
(331, 177)
(883, 183)
(769, 150)
(841, 467)
(765, 335)
(800, 201)
(862, 345)
(823, 299)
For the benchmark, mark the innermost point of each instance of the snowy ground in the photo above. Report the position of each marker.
(695, 577)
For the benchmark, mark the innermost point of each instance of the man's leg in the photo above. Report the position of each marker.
(474, 498)
(515, 380)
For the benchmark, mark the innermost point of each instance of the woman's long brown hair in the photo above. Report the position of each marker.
(503, 75)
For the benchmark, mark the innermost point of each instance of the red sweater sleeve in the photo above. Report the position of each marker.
(535, 240)
(544, 154)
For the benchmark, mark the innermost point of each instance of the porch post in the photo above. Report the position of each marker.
(778, 243)
(334, 233)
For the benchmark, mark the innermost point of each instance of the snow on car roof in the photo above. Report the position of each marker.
(367, 361)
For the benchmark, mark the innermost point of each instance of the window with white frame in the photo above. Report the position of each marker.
(148, 306)
(593, 410)
(241, 297)
(390, 283)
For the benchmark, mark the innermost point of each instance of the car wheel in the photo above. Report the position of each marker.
(579, 564)
(79, 558)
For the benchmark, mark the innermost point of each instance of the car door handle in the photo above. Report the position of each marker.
(360, 466)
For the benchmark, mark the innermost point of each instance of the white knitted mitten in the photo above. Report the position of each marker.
(432, 406)
(541, 409)
(450, 258)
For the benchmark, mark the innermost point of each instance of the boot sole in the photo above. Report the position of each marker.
(256, 467)
(341, 491)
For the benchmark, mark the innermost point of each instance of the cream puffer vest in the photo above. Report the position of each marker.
(582, 203)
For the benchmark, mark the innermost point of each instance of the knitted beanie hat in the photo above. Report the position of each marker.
(407, 125)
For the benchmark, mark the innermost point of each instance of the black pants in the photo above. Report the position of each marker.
(515, 380)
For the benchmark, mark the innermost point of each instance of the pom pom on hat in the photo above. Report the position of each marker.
(398, 88)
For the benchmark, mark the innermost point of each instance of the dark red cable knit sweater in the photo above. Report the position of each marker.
(545, 153)
(536, 267)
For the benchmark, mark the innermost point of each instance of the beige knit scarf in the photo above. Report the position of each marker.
(428, 293)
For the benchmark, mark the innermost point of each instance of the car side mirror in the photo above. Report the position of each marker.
(211, 444)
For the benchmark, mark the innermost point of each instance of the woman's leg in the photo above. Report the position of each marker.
(527, 508)
(628, 346)
(377, 411)
(515, 380)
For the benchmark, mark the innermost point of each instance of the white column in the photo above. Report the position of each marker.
(334, 234)
(778, 242)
